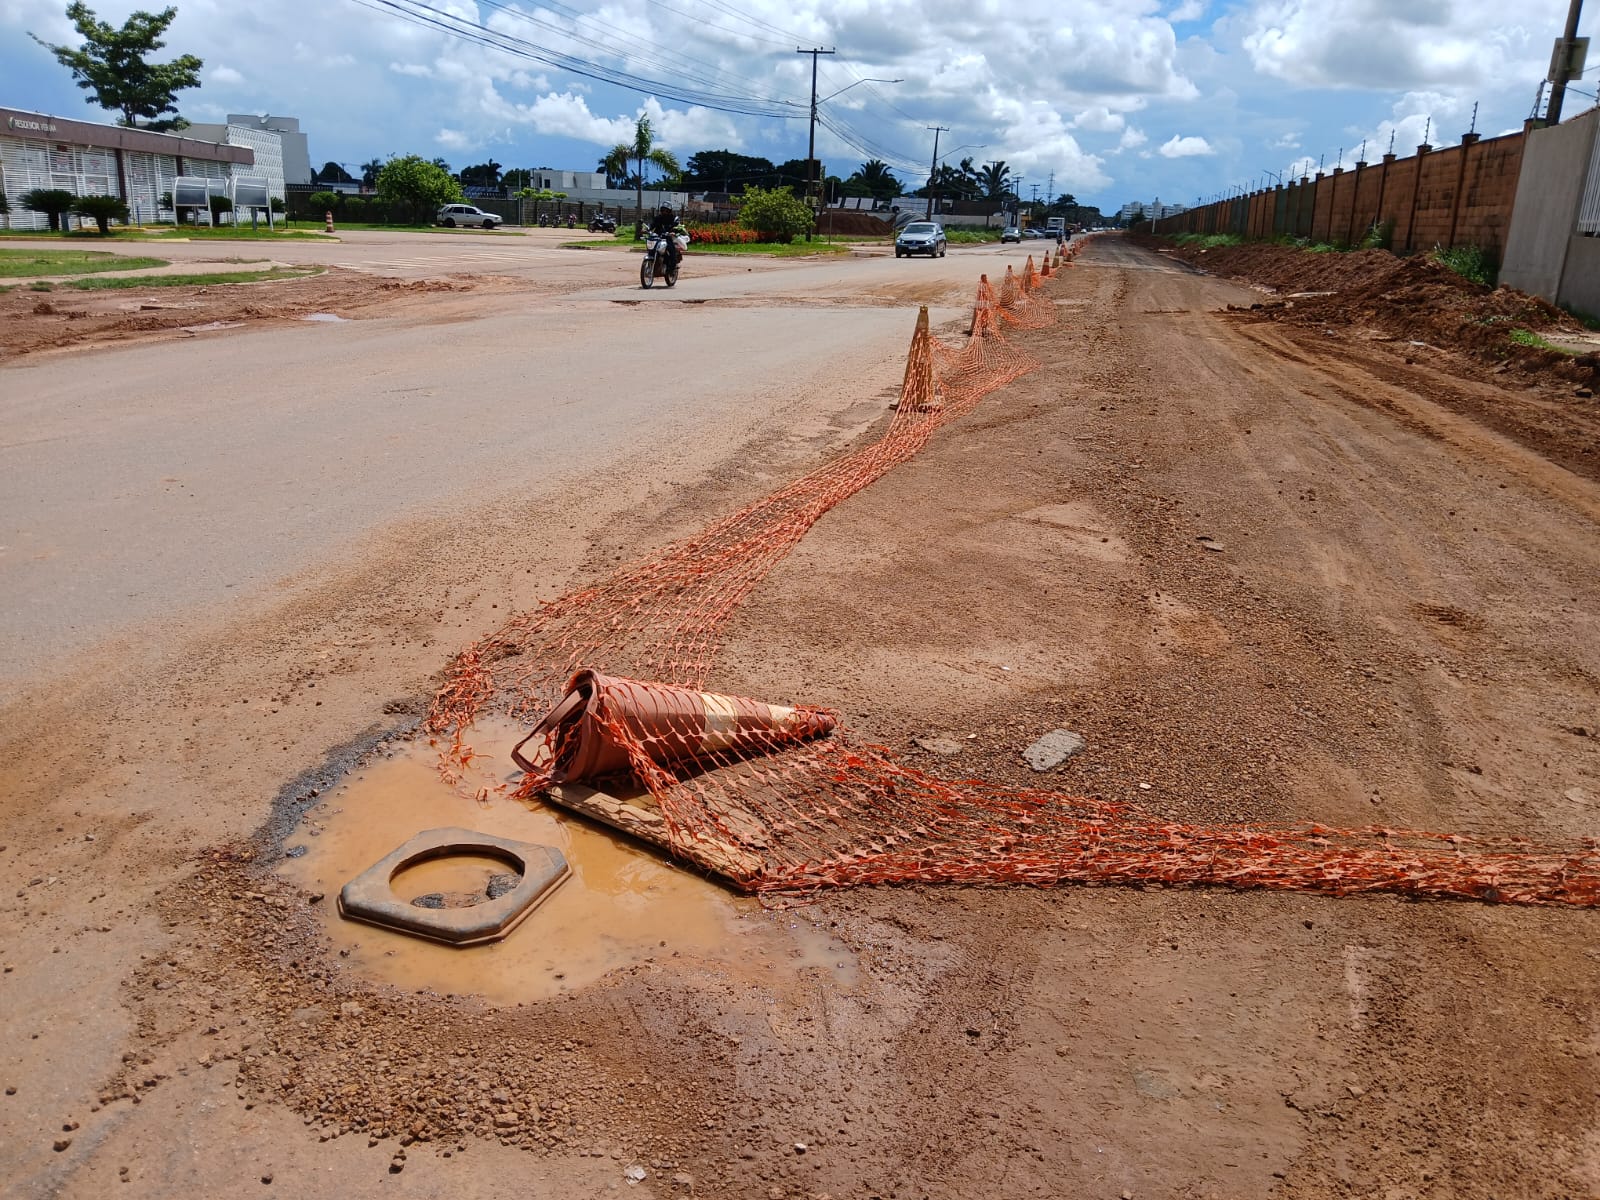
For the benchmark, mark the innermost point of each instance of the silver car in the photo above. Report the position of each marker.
(920, 237)
(452, 215)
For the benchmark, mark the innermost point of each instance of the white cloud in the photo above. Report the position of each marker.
(1185, 147)
(1391, 44)
(1132, 139)
(1188, 10)
(223, 76)
(1100, 119)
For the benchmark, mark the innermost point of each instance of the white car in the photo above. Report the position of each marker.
(452, 215)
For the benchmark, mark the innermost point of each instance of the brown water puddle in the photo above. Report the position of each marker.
(623, 904)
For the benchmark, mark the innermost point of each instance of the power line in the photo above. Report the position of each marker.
(715, 97)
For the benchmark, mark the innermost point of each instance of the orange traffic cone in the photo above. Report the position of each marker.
(1044, 272)
(605, 724)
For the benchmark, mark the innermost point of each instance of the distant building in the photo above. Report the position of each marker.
(244, 129)
(1153, 210)
(41, 151)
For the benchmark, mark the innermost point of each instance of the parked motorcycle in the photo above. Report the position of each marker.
(544, 220)
(658, 261)
(572, 220)
(601, 223)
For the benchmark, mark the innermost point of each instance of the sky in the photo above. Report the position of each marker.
(1176, 99)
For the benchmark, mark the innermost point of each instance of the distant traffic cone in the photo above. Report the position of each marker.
(984, 322)
(605, 724)
(1044, 272)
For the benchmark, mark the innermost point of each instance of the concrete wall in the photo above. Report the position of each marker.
(1580, 286)
(1459, 196)
(1539, 245)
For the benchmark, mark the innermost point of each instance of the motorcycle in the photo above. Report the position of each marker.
(544, 220)
(659, 260)
(602, 224)
(572, 220)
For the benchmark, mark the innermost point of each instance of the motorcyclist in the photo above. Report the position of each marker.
(666, 224)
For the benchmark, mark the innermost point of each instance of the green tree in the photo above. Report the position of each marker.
(874, 178)
(418, 185)
(517, 180)
(641, 150)
(112, 65)
(369, 172)
(995, 180)
(52, 202)
(326, 201)
(483, 175)
(776, 214)
(725, 171)
(102, 210)
(5, 211)
(332, 172)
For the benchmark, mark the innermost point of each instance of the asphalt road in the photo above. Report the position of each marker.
(157, 482)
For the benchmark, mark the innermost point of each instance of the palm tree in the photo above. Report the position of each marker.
(995, 179)
(876, 177)
(642, 150)
(369, 172)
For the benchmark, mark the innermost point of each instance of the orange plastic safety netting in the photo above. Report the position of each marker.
(782, 799)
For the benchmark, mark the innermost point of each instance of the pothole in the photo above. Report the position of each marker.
(622, 904)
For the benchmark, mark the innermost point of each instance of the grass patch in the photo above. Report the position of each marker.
(105, 283)
(1208, 241)
(775, 250)
(751, 249)
(22, 264)
(1526, 337)
(1469, 262)
(971, 237)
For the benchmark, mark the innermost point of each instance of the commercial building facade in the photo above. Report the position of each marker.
(137, 165)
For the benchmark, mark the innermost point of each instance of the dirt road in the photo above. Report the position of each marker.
(1392, 621)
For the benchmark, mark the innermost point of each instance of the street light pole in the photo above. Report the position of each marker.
(933, 168)
(811, 143)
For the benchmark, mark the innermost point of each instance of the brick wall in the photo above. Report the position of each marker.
(1459, 196)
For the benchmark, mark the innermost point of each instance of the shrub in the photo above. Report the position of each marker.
(52, 202)
(1379, 237)
(278, 205)
(1469, 262)
(325, 201)
(777, 214)
(102, 210)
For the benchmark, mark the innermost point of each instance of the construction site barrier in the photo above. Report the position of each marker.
(788, 810)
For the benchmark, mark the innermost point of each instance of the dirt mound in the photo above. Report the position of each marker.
(1414, 298)
(66, 318)
(860, 223)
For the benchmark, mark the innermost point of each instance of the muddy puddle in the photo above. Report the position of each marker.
(622, 905)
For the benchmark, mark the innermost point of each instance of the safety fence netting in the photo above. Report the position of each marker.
(782, 799)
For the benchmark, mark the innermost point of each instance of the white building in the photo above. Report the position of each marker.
(268, 136)
(1153, 210)
(40, 151)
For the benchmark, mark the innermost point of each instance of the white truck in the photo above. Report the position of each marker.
(1056, 227)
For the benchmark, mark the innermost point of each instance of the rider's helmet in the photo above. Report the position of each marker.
(666, 210)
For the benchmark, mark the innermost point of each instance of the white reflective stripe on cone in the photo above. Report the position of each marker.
(722, 722)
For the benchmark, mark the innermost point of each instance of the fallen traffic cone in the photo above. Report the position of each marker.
(606, 725)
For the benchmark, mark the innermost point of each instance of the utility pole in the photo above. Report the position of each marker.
(1050, 192)
(934, 169)
(811, 143)
(1563, 65)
